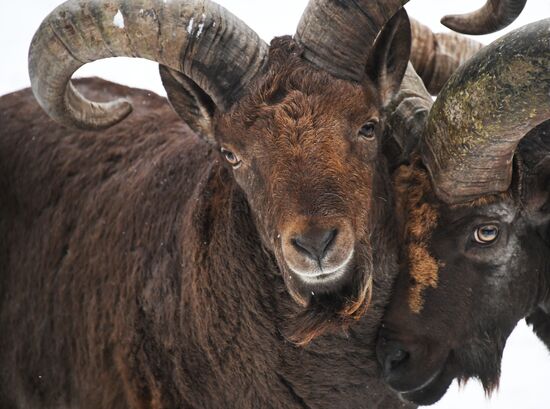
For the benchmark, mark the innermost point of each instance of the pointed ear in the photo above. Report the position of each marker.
(536, 192)
(190, 102)
(533, 172)
(390, 55)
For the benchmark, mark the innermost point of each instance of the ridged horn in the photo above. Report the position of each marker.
(338, 35)
(435, 56)
(484, 110)
(493, 16)
(195, 37)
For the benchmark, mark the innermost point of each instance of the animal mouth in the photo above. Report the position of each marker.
(322, 276)
(326, 275)
(430, 391)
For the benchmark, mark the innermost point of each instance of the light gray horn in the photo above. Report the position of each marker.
(198, 38)
(493, 16)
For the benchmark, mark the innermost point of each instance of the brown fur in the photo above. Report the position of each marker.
(413, 184)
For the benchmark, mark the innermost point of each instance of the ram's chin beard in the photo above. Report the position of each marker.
(486, 369)
(329, 304)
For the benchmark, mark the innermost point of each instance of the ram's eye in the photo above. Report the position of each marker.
(232, 158)
(486, 234)
(368, 131)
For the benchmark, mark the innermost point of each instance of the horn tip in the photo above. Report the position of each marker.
(459, 24)
(118, 109)
(103, 115)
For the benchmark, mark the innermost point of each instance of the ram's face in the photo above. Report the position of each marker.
(469, 274)
(305, 148)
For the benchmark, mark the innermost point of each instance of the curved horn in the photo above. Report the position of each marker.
(195, 37)
(338, 35)
(493, 16)
(484, 110)
(435, 56)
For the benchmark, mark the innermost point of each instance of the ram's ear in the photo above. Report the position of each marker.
(534, 171)
(536, 191)
(190, 102)
(390, 55)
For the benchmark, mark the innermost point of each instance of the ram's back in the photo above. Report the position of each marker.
(85, 219)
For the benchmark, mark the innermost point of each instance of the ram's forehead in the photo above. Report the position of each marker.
(501, 207)
(485, 200)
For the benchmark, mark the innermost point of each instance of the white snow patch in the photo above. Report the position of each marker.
(190, 25)
(201, 25)
(118, 20)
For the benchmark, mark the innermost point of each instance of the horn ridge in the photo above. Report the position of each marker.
(342, 46)
(435, 56)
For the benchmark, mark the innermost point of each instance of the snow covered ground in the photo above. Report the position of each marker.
(526, 364)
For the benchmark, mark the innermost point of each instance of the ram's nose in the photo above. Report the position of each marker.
(314, 242)
(391, 355)
(318, 248)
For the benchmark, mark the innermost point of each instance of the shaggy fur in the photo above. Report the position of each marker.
(421, 219)
(133, 276)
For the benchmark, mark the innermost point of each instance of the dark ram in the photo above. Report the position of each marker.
(475, 207)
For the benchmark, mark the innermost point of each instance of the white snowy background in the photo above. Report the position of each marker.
(525, 382)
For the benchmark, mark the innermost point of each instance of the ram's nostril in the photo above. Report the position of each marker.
(315, 242)
(301, 247)
(394, 358)
(397, 358)
(391, 354)
(327, 240)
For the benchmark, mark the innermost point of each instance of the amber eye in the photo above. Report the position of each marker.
(486, 234)
(231, 158)
(367, 131)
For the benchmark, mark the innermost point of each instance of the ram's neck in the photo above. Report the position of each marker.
(229, 279)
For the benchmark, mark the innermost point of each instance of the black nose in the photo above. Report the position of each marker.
(314, 242)
(392, 355)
